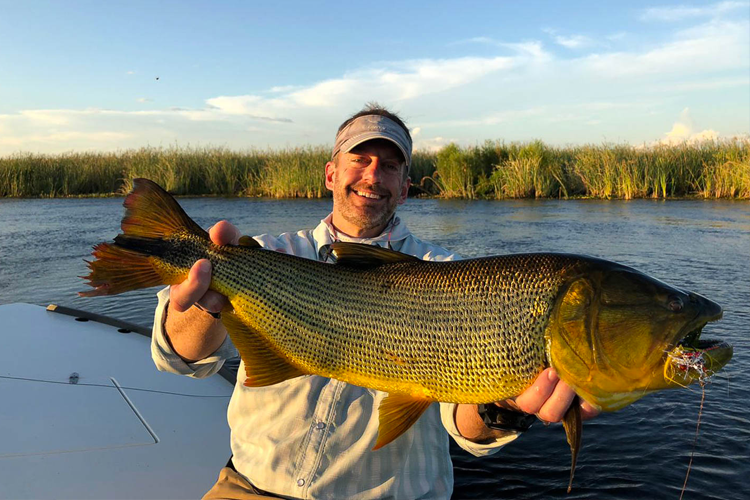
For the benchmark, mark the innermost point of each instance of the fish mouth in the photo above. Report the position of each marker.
(691, 333)
(695, 359)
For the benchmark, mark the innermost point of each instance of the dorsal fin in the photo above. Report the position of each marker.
(248, 241)
(364, 256)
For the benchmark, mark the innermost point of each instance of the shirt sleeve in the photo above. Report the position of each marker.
(448, 416)
(167, 360)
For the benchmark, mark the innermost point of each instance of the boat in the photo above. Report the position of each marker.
(85, 414)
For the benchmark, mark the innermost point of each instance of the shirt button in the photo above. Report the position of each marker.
(321, 426)
(300, 482)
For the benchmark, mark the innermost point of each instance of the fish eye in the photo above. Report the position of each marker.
(675, 303)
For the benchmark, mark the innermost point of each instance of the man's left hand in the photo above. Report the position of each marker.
(549, 398)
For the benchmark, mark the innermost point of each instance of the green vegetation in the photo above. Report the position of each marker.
(491, 170)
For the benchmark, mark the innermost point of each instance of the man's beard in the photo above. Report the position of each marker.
(363, 217)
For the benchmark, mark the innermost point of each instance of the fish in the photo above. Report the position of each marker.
(469, 331)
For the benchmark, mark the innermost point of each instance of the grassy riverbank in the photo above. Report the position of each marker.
(492, 170)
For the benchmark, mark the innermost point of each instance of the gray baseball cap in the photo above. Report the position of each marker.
(368, 127)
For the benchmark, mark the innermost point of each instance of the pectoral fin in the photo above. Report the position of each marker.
(572, 423)
(397, 413)
(263, 365)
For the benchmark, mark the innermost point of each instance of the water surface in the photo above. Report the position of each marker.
(639, 452)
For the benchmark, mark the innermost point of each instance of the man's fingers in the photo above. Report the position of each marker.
(213, 301)
(532, 399)
(224, 233)
(553, 410)
(183, 296)
(588, 411)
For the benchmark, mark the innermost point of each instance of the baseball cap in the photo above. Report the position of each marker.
(368, 127)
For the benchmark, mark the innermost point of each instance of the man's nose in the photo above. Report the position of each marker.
(374, 169)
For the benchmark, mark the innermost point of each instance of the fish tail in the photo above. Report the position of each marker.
(134, 260)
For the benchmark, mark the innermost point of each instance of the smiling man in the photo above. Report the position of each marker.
(313, 437)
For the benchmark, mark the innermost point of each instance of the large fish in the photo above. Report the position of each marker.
(470, 331)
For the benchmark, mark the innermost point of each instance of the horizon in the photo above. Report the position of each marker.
(85, 77)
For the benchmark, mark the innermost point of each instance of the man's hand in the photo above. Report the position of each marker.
(195, 334)
(195, 288)
(548, 397)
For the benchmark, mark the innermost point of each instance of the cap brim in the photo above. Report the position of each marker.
(369, 136)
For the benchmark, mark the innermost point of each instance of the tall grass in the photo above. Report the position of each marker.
(719, 169)
(293, 173)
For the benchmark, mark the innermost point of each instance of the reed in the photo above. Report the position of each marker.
(493, 169)
(293, 173)
(68, 174)
(531, 170)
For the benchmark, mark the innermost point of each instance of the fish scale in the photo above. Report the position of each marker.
(386, 327)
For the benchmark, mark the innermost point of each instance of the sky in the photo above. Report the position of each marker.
(114, 75)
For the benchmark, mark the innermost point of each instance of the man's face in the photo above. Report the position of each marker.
(368, 184)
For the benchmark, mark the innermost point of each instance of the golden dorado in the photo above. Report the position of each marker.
(469, 331)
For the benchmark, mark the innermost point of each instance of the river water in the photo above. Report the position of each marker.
(639, 452)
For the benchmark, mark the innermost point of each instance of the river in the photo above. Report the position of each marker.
(639, 452)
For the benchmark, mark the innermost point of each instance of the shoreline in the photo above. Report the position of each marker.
(493, 170)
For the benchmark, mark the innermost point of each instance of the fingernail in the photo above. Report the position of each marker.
(204, 267)
(552, 375)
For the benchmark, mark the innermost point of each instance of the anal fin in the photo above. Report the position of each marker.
(263, 366)
(397, 413)
(573, 425)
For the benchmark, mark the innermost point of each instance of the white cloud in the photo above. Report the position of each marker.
(283, 88)
(573, 41)
(530, 48)
(683, 131)
(682, 12)
(130, 72)
(477, 39)
(711, 84)
(65, 139)
(714, 46)
(397, 81)
(433, 144)
(526, 92)
(569, 41)
(144, 99)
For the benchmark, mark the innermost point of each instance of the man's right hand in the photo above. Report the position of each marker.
(195, 334)
(195, 288)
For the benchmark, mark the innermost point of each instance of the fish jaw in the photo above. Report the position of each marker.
(693, 359)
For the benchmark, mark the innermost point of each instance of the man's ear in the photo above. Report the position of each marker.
(330, 171)
(404, 191)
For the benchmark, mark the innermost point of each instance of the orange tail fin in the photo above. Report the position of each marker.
(152, 215)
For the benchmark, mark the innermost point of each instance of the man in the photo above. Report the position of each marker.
(312, 437)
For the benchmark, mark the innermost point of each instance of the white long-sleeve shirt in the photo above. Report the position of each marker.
(312, 437)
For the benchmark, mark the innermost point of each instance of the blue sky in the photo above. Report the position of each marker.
(78, 75)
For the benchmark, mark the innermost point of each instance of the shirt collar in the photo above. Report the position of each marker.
(325, 234)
